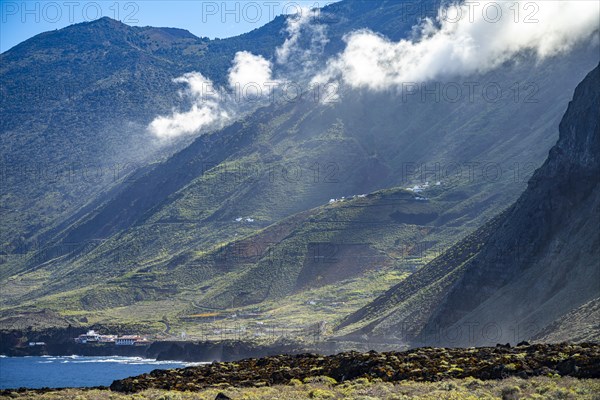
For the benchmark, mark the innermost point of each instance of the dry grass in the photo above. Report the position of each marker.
(361, 389)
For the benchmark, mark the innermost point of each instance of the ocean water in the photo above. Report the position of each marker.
(74, 371)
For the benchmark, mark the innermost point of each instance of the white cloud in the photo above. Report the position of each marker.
(291, 51)
(207, 110)
(251, 73)
(487, 34)
(251, 78)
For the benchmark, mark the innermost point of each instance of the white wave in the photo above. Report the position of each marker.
(75, 359)
(71, 357)
(123, 360)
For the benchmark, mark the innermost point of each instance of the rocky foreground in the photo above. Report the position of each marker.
(423, 364)
(539, 387)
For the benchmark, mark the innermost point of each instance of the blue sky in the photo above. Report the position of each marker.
(21, 20)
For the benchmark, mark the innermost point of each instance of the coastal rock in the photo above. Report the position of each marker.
(422, 364)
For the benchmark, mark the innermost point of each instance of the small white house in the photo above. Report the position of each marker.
(127, 340)
(89, 337)
(131, 340)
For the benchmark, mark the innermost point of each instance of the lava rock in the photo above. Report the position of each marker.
(421, 364)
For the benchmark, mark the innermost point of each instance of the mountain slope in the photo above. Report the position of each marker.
(154, 238)
(579, 325)
(76, 103)
(146, 241)
(538, 262)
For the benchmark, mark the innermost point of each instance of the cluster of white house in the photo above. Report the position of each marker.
(125, 340)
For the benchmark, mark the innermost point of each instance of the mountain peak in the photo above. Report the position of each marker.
(106, 20)
(103, 23)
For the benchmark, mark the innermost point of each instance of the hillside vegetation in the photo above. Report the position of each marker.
(295, 215)
(526, 271)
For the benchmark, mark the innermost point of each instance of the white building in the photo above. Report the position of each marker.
(89, 337)
(131, 340)
(127, 340)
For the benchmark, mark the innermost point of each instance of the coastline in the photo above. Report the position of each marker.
(568, 367)
(60, 342)
(181, 351)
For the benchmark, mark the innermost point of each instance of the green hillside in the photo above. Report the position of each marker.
(295, 214)
(76, 102)
(521, 275)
